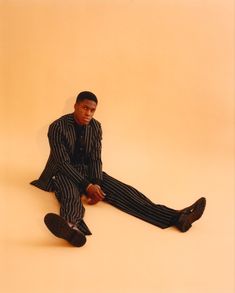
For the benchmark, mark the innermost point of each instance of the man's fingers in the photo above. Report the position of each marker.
(100, 195)
(91, 201)
(100, 189)
(95, 192)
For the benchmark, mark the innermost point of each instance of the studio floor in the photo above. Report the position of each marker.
(124, 254)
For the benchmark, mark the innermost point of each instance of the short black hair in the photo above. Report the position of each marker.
(86, 95)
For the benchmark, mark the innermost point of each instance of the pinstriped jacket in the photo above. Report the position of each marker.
(62, 138)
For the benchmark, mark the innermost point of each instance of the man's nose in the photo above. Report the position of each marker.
(88, 112)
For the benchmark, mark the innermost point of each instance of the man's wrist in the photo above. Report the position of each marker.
(84, 183)
(96, 181)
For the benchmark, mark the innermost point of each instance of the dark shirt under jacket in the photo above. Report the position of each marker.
(79, 156)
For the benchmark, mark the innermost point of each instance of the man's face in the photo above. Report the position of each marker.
(84, 111)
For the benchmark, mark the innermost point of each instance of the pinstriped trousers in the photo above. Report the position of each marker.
(119, 195)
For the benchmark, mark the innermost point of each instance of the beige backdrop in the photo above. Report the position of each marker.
(163, 71)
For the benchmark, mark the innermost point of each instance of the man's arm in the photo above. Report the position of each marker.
(94, 191)
(95, 161)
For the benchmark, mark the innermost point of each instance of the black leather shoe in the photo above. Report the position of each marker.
(191, 214)
(60, 228)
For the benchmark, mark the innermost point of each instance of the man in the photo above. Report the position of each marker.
(74, 168)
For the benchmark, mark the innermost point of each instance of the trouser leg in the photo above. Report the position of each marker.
(71, 207)
(131, 201)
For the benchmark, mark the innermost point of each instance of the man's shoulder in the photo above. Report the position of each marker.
(95, 123)
(63, 123)
(65, 119)
(69, 118)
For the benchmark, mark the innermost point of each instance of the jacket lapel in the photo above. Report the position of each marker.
(88, 138)
(70, 132)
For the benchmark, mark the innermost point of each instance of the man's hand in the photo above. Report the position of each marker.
(94, 194)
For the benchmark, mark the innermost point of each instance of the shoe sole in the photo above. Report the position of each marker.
(60, 228)
(186, 219)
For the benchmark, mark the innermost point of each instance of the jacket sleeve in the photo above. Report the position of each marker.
(95, 162)
(61, 155)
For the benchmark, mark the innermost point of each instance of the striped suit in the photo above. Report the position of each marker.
(69, 180)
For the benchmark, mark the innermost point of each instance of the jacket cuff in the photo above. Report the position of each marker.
(85, 184)
(96, 181)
